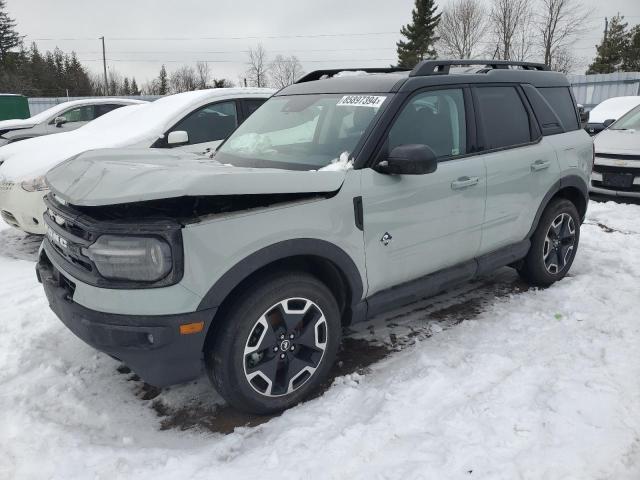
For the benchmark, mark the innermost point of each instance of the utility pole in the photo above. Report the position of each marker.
(104, 65)
(606, 29)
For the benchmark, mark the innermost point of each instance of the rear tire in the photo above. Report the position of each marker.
(276, 343)
(553, 245)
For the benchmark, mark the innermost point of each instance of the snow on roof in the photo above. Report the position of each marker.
(131, 126)
(613, 108)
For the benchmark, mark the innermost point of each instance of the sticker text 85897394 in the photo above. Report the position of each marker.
(361, 101)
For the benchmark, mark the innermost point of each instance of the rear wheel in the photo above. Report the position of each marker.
(276, 344)
(553, 245)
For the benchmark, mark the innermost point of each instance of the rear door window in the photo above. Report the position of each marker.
(503, 117)
(106, 108)
(560, 100)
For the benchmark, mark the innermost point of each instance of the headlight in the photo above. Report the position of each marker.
(145, 259)
(34, 185)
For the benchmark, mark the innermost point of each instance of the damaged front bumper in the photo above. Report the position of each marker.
(153, 346)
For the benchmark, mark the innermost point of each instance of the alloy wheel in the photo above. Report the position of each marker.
(285, 347)
(559, 243)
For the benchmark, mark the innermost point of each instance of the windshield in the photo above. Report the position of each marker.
(630, 121)
(301, 132)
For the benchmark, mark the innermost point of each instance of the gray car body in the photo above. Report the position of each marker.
(440, 234)
(16, 130)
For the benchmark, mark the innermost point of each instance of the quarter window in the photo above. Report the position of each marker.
(210, 123)
(436, 119)
(503, 117)
(560, 100)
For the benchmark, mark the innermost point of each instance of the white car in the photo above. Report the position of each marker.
(194, 122)
(63, 117)
(616, 170)
(607, 112)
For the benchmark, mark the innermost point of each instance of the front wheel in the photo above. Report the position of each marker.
(276, 344)
(553, 245)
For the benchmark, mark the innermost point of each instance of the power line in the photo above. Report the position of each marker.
(136, 60)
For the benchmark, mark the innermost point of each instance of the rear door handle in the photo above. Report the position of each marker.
(464, 182)
(540, 165)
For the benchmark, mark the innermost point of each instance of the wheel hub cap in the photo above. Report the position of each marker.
(559, 243)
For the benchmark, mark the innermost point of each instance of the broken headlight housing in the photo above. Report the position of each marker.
(138, 259)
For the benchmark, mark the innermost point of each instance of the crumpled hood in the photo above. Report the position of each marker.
(625, 142)
(110, 177)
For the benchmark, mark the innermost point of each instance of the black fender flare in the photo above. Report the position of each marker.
(279, 251)
(574, 181)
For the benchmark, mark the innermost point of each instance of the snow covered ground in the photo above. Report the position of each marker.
(492, 380)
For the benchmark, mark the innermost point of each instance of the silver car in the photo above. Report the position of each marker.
(64, 117)
(616, 170)
(341, 197)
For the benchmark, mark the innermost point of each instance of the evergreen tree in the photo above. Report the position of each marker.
(611, 52)
(420, 35)
(126, 88)
(9, 37)
(163, 82)
(631, 62)
(134, 87)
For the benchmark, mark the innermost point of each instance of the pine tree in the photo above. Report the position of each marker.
(420, 35)
(611, 52)
(126, 88)
(631, 62)
(9, 37)
(163, 82)
(134, 87)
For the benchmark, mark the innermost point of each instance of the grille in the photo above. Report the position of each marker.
(616, 169)
(619, 157)
(6, 186)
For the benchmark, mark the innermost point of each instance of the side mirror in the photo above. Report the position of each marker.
(59, 121)
(179, 137)
(412, 159)
(608, 122)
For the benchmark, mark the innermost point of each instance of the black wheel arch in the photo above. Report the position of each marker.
(571, 187)
(327, 261)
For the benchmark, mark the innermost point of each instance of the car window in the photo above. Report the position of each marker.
(630, 121)
(79, 114)
(503, 117)
(253, 104)
(102, 109)
(560, 100)
(210, 123)
(434, 118)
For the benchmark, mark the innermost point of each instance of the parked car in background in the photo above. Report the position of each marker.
(616, 170)
(64, 117)
(607, 112)
(189, 122)
(338, 199)
(13, 106)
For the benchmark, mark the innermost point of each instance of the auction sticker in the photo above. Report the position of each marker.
(361, 101)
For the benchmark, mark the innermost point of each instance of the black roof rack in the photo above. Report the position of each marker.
(441, 67)
(318, 74)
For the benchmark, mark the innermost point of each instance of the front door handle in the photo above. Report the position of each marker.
(464, 182)
(540, 165)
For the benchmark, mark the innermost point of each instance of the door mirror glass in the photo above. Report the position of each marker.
(178, 137)
(608, 122)
(59, 121)
(412, 159)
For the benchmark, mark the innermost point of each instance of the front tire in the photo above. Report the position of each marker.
(553, 245)
(276, 343)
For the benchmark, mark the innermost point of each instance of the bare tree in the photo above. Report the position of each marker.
(258, 69)
(183, 79)
(562, 60)
(462, 26)
(558, 24)
(222, 83)
(507, 23)
(203, 73)
(523, 47)
(285, 70)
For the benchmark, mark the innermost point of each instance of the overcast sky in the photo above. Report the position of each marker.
(141, 35)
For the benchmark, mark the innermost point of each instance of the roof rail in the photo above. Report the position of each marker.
(318, 74)
(441, 67)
